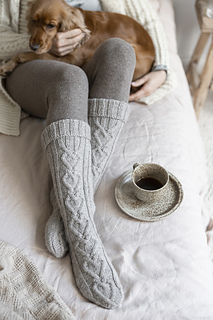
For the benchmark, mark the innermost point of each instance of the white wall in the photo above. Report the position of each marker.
(188, 30)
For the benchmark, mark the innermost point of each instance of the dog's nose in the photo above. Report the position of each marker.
(34, 47)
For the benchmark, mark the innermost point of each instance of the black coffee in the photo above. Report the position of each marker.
(149, 184)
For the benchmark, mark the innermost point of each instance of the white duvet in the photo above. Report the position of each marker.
(164, 266)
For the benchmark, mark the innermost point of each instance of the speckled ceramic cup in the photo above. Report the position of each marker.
(149, 182)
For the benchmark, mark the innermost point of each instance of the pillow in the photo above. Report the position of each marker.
(93, 5)
(75, 3)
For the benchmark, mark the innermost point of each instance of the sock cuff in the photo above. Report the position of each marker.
(64, 128)
(109, 108)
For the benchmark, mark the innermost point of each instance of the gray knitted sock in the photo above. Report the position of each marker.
(55, 239)
(24, 293)
(68, 150)
(106, 119)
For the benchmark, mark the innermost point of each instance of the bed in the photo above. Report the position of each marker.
(164, 266)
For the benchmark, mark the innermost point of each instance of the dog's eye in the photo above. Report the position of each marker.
(33, 21)
(50, 26)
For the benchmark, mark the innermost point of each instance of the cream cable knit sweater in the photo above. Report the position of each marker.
(142, 11)
(24, 293)
(15, 39)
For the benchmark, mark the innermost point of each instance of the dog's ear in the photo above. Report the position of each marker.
(73, 19)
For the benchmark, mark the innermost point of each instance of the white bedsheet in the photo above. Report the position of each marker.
(164, 266)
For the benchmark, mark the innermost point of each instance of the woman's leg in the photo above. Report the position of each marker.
(50, 89)
(56, 91)
(67, 143)
(110, 73)
(110, 70)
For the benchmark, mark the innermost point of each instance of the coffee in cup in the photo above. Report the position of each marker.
(149, 181)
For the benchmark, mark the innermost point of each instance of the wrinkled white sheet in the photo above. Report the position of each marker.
(164, 266)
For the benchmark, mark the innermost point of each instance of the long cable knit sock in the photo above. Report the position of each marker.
(55, 239)
(106, 119)
(68, 149)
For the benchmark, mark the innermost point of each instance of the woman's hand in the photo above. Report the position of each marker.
(150, 82)
(65, 42)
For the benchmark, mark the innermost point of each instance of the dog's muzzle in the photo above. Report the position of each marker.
(34, 47)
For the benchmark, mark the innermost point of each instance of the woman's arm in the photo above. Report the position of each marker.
(65, 42)
(11, 42)
(142, 12)
(148, 83)
(156, 83)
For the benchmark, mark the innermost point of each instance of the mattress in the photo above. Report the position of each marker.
(164, 266)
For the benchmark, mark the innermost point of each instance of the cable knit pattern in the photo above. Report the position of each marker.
(22, 26)
(11, 42)
(24, 292)
(55, 239)
(68, 149)
(106, 119)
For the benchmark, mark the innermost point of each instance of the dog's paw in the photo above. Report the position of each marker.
(8, 67)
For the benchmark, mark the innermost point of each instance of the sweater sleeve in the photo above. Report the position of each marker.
(148, 17)
(11, 42)
(142, 12)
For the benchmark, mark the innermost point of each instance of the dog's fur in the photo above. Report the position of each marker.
(47, 17)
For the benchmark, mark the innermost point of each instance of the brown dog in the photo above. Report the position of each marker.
(47, 17)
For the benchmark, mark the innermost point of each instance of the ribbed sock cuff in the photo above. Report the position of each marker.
(63, 128)
(109, 108)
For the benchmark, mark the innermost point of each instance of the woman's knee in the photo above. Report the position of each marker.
(119, 52)
(111, 70)
(68, 95)
(68, 79)
(41, 86)
(48, 77)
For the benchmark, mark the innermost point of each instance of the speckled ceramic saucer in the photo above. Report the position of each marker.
(128, 202)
